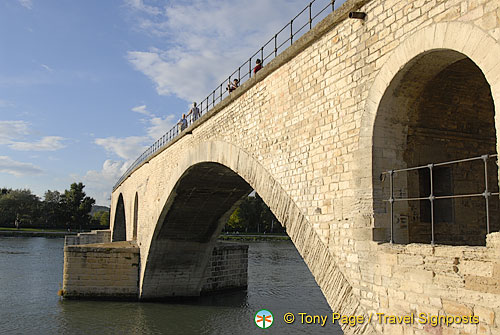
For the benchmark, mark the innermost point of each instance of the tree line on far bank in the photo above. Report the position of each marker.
(69, 210)
(253, 216)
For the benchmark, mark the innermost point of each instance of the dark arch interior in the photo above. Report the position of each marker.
(136, 213)
(119, 227)
(189, 225)
(438, 108)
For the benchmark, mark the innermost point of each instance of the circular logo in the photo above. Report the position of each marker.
(263, 319)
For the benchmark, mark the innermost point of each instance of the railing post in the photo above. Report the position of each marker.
(239, 74)
(391, 201)
(291, 32)
(220, 92)
(275, 45)
(431, 199)
(250, 68)
(262, 55)
(333, 5)
(486, 192)
(310, 15)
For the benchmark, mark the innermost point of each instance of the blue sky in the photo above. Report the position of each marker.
(86, 86)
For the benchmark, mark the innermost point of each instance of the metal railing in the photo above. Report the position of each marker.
(268, 51)
(432, 197)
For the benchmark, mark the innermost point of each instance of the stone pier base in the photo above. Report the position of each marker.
(110, 271)
(101, 271)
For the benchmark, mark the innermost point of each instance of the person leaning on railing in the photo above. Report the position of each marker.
(258, 66)
(195, 112)
(232, 86)
(182, 124)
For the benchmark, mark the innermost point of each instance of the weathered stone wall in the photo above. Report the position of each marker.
(228, 268)
(95, 236)
(306, 134)
(101, 271)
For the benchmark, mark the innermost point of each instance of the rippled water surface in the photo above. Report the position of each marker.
(31, 273)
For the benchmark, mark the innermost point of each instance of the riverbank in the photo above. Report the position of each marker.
(254, 237)
(28, 232)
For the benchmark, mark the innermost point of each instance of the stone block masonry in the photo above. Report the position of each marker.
(228, 268)
(101, 271)
(110, 270)
(95, 236)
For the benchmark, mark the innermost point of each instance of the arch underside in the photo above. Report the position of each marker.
(189, 225)
(119, 224)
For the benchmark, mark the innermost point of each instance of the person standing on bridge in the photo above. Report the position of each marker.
(182, 124)
(194, 112)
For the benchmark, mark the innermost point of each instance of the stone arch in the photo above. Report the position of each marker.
(136, 218)
(119, 223)
(217, 158)
(445, 44)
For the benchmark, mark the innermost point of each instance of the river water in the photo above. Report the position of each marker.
(279, 281)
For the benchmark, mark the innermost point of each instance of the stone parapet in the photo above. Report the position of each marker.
(94, 236)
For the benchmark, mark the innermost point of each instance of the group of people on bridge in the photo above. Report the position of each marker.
(194, 113)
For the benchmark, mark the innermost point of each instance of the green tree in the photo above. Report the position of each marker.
(77, 205)
(54, 212)
(235, 222)
(20, 204)
(105, 219)
(253, 215)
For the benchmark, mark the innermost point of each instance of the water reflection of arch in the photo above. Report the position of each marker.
(211, 178)
(424, 63)
(119, 222)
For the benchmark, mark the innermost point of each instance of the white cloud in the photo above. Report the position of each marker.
(10, 166)
(100, 183)
(128, 148)
(159, 126)
(141, 6)
(141, 109)
(11, 130)
(46, 67)
(26, 3)
(206, 41)
(47, 143)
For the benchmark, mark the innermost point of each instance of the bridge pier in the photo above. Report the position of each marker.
(110, 271)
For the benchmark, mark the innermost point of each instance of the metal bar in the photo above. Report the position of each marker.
(250, 68)
(440, 164)
(486, 193)
(275, 45)
(291, 32)
(239, 74)
(310, 16)
(431, 199)
(333, 5)
(261, 53)
(392, 205)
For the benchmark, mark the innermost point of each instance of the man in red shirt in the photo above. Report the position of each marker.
(258, 66)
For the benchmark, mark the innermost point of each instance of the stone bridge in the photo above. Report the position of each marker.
(416, 82)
